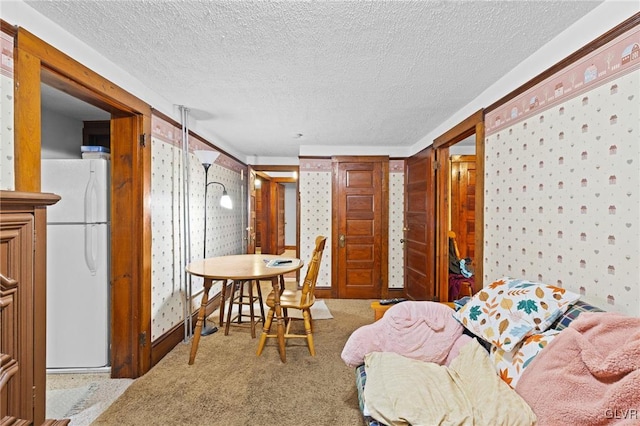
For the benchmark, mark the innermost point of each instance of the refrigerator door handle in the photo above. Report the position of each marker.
(90, 249)
(90, 196)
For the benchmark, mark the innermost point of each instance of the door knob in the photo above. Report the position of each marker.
(405, 229)
(341, 240)
(401, 240)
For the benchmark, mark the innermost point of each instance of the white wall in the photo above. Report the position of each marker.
(61, 135)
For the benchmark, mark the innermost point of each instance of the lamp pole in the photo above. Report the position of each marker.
(206, 330)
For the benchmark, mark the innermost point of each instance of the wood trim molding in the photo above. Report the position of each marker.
(460, 131)
(62, 64)
(479, 207)
(27, 121)
(7, 28)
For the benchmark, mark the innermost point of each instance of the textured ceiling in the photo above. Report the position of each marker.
(266, 77)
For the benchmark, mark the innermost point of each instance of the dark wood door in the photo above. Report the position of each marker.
(419, 230)
(360, 198)
(252, 208)
(280, 218)
(463, 195)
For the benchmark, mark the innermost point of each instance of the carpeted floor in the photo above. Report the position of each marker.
(229, 385)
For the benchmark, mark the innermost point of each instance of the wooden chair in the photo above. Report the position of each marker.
(466, 284)
(301, 300)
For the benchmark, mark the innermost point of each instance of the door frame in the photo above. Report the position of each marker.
(262, 172)
(38, 62)
(474, 124)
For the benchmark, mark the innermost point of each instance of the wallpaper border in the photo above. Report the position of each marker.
(595, 69)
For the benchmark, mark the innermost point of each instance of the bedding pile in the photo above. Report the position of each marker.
(539, 356)
(589, 374)
(401, 391)
(424, 331)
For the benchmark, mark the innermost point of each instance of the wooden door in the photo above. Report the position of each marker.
(252, 207)
(360, 227)
(280, 218)
(419, 228)
(268, 217)
(463, 195)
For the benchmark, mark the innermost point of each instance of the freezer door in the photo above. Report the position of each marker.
(77, 296)
(83, 185)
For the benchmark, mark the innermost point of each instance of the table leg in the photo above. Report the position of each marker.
(223, 298)
(201, 314)
(279, 318)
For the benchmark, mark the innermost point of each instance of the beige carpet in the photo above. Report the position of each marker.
(229, 385)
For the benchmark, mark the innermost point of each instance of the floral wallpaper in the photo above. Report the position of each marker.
(315, 216)
(7, 178)
(224, 227)
(562, 177)
(396, 223)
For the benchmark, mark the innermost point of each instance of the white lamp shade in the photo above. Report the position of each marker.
(225, 201)
(206, 156)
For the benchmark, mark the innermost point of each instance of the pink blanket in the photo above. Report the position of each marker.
(589, 374)
(425, 331)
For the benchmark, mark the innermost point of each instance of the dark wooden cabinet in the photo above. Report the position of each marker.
(23, 307)
(97, 133)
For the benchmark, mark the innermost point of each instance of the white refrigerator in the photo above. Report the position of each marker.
(78, 265)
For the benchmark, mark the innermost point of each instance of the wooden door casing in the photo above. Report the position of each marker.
(419, 233)
(472, 125)
(463, 194)
(40, 63)
(268, 219)
(280, 218)
(360, 227)
(252, 211)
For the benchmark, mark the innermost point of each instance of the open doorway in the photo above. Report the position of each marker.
(277, 210)
(462, 177)
(461, 222)
(75, 152)
(465, 138)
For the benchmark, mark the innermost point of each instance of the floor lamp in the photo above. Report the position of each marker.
(207, 158)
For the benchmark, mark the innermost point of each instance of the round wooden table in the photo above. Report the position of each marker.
(241, 267)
